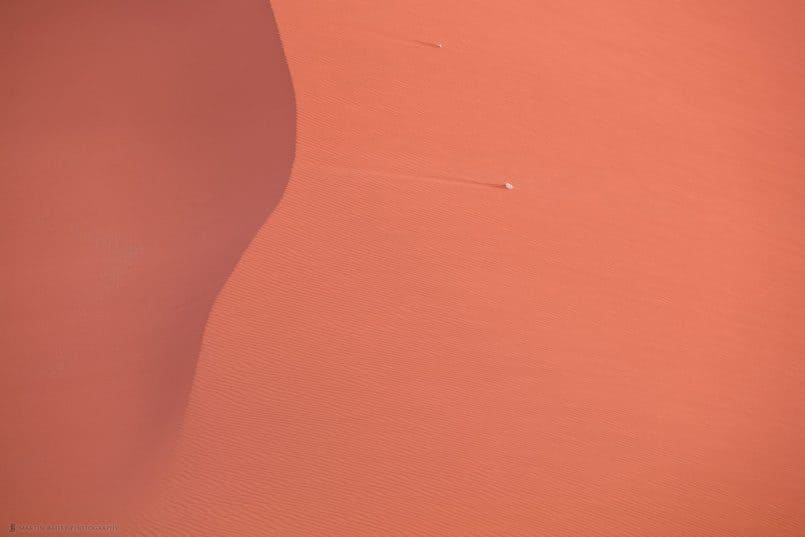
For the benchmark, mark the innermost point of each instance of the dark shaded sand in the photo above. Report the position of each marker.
(143, 144)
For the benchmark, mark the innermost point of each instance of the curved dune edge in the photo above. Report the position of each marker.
(143, 146)
(609, 349)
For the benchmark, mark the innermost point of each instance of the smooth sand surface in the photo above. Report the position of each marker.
(612, 348)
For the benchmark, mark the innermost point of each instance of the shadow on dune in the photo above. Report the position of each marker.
(145, 143)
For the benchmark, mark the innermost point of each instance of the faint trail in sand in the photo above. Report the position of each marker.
(302, 167)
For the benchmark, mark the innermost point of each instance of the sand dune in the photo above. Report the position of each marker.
(611, 348)
(142, 148)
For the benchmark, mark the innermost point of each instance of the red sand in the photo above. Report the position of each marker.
(612, 348)
(143, 145)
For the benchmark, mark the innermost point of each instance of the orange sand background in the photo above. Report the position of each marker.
(612, 348)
